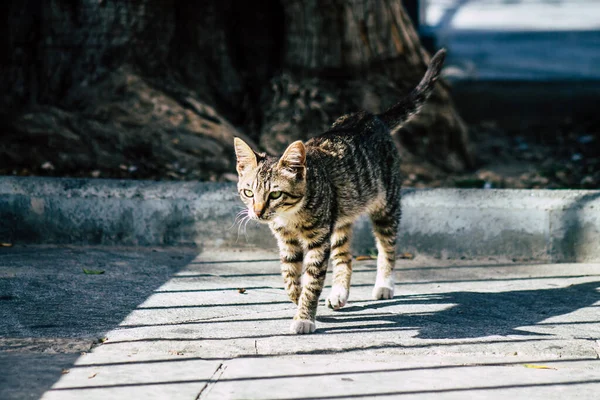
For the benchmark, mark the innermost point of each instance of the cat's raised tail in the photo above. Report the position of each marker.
(406, 108)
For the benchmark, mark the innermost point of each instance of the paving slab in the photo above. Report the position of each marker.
(409, 377)
(104, 376)
(175, 323)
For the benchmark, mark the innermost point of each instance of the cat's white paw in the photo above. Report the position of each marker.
(337, 298)
(301, 326)
(384, 288)
(383, 292)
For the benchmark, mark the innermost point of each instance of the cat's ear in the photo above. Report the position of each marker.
(246, 158)
(294, 156)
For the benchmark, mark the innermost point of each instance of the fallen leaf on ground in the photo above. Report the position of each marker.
(5, 244)
(92, 375)
(102, 340)
(65, 371)
(92, 271)
(363, 258)
(241, 290)
(176, 353)
(535, 366)
(406, 256)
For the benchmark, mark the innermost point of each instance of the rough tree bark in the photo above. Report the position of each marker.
(155, 88)
(359, 55)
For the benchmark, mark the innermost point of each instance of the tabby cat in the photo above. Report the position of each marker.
(312, 194)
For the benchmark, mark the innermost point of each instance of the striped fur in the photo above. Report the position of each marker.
(311, 195)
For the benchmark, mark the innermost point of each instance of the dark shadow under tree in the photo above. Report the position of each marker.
(161, 87)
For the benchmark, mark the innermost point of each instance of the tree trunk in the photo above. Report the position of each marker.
(116, 87)
(344, 55)
(159, 88)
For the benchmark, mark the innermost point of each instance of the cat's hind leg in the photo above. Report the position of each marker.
(341, 259)
(385, 227)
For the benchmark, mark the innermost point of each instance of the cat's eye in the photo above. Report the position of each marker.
(275, 195)
(248, 193)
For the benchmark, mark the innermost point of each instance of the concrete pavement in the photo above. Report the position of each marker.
(173, 323)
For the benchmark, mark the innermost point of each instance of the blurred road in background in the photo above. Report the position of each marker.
(516, 39)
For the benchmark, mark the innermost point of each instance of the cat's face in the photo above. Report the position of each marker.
(271, 187)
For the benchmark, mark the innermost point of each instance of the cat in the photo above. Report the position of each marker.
(312, 194)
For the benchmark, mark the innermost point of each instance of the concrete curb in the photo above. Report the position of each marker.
(449, 223)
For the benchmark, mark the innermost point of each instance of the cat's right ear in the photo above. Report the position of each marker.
(294, 156)
(246, 158)
(294, 159)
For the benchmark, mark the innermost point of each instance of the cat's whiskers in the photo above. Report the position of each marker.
(244, 221)
(239, 217)
(240, 227)
(245, 228)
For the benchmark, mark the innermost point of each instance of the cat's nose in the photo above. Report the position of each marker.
(259, 209)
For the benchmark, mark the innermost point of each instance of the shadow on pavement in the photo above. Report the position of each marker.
(476, 314)
(51, 310)
(471, 315)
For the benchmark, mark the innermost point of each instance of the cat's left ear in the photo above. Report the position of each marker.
(294, 157)
(246, 158)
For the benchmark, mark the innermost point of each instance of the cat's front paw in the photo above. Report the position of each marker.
(383, 292)
(337, 298)
(302, 326)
